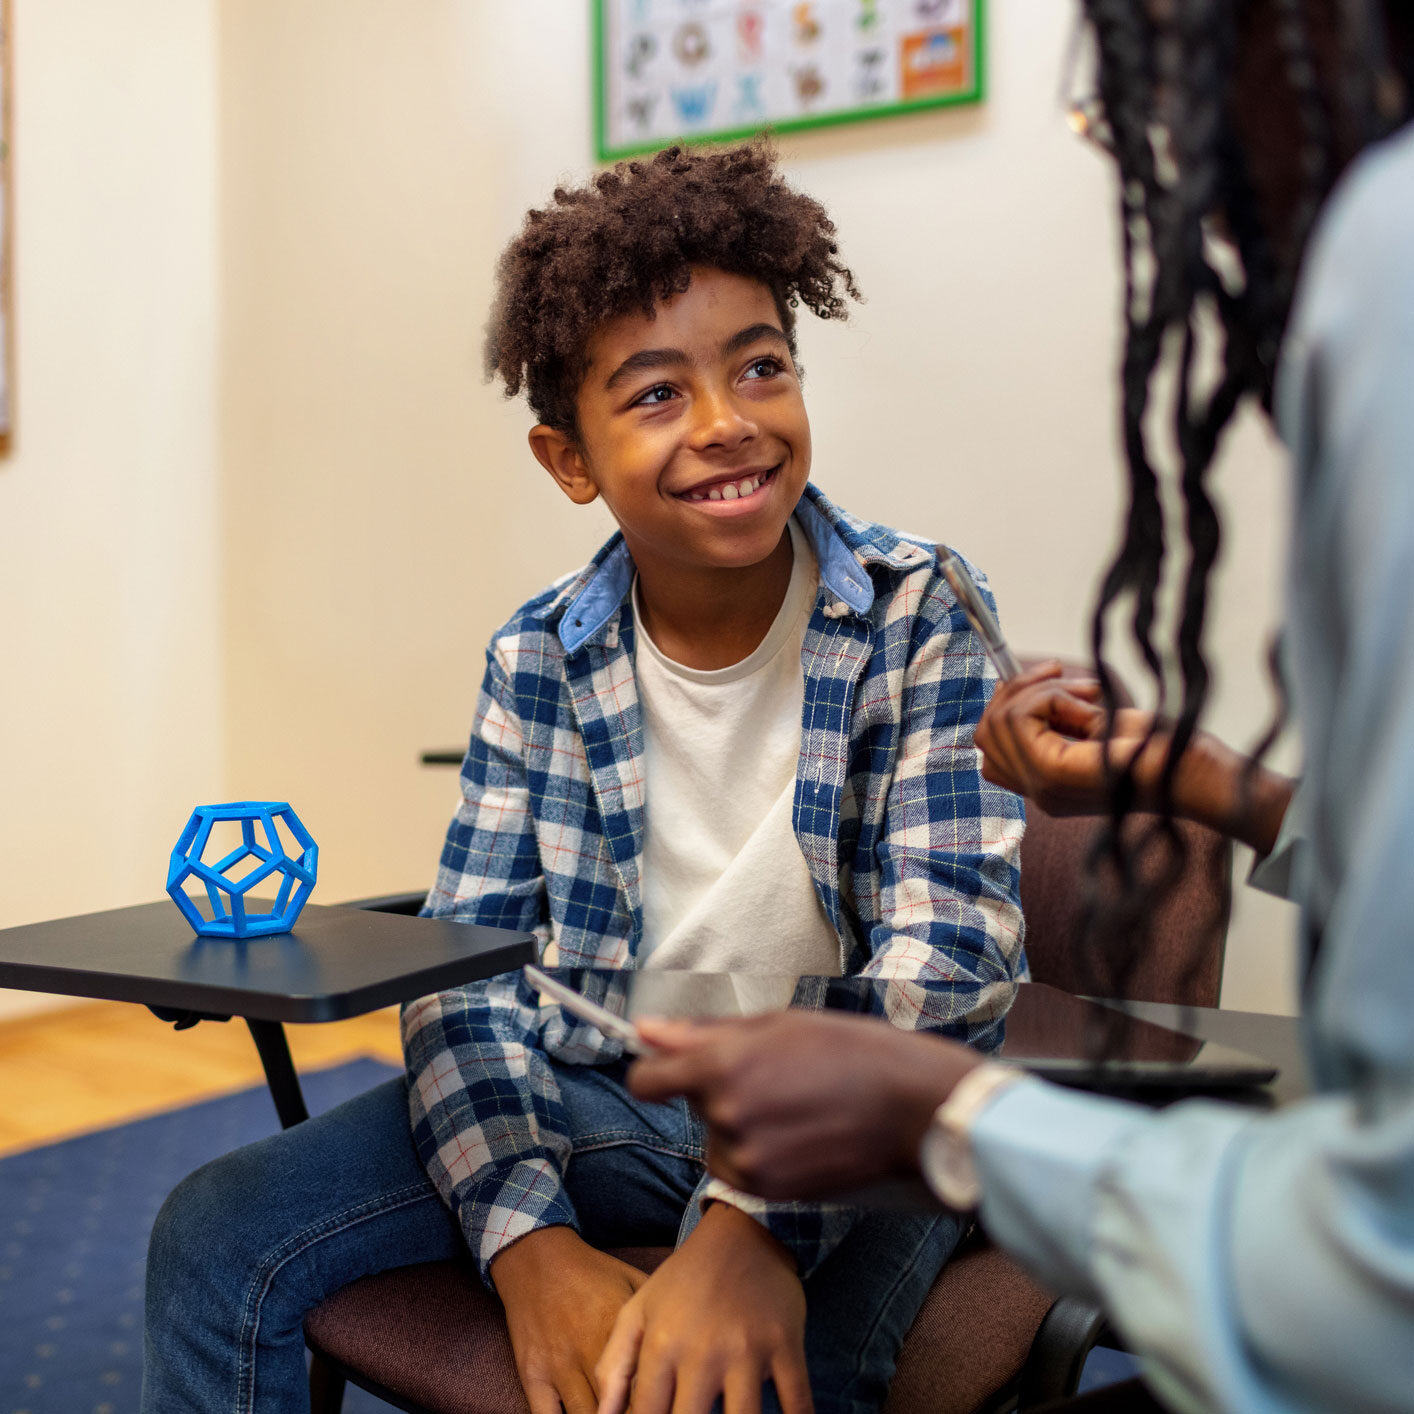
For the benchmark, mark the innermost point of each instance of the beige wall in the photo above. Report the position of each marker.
(381, 512)
(378, 511)
(111, 720)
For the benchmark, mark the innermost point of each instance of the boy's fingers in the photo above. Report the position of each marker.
(613, 1391)
(696, 1390)
(792, 1383)
(741, 1391)
(542, 1397)
(577, 1394)
(618, 1363)
(653, 1389)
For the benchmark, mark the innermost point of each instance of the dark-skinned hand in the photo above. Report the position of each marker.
(562, 1297)
(803, 1104)
(1043, 736)
(722, 1315)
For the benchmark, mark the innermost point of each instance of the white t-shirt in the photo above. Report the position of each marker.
(725, 886)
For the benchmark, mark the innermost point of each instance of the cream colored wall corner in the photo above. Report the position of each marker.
(380, 514)
(111, 714)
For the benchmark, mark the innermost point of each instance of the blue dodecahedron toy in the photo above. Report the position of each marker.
(227, 892)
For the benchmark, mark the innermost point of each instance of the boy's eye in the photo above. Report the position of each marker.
(764, 367)
(658, 393)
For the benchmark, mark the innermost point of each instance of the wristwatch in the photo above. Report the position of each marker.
(946, 1150)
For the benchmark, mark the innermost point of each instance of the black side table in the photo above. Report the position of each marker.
(338, 962)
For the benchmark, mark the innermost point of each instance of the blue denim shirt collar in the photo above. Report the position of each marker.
(588, 603)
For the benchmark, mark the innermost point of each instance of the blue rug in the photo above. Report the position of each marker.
(74, 1220)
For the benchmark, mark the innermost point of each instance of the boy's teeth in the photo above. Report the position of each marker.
(732, 490)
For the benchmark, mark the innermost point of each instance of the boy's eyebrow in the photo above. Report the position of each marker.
(646, 359)
(751, 334)
(643, 359)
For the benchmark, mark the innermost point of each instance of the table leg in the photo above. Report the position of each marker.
(269, 1038)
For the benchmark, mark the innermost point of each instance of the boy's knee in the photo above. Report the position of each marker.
(196, 1220)
(215, 1227)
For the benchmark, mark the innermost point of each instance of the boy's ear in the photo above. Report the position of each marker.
(560, 455)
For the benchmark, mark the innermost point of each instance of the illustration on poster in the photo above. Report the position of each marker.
(748, 97)
(640, 51)
(705, 70)
(694, 104)
(748, 27)
(691, 44)
(807, 24)
(809, 84)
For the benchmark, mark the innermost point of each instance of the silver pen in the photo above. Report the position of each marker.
(978, 614)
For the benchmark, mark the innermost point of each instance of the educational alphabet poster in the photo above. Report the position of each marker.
(719, 69)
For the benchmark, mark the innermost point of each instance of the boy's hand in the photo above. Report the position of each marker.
(561, 1298)
(724, 1313)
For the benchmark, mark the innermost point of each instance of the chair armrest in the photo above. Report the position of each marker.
(408, 904)
(1067, 1334)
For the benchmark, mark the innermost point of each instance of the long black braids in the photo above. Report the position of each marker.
(1164, 77)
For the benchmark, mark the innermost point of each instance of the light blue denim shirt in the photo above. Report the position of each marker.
(1266, 1262)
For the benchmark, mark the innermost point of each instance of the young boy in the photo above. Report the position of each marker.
(739, 740)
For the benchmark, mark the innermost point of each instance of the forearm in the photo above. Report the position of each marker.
(1242, 1256)
(522, 1268)
(486, 1114)
(946, 944)
(807, 1231)
(727, 1228)
(1220, 788)
(941, 896)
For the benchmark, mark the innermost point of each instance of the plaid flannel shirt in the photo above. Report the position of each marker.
(913, 855)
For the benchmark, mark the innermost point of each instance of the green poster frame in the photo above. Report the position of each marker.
(975, 94)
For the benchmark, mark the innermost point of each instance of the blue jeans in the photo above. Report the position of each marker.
(248, 1244)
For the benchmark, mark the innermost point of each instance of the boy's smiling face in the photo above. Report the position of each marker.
(691, 427)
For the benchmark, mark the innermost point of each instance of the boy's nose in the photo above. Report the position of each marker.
(720, 421)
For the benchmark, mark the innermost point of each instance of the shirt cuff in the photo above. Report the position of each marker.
(1282, 870)
(527, 1197)
(1039, 1151)
(809, 1231)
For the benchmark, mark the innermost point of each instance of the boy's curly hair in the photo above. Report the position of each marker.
(629, 238)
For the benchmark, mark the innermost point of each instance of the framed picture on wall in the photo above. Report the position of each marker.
(716, 70)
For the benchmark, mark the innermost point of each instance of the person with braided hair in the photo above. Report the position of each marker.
(1253, 1261)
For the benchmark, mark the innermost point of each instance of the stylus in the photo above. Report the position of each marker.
(601, 1018)
(978, 614)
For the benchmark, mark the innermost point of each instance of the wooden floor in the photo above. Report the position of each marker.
(86, 1067)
